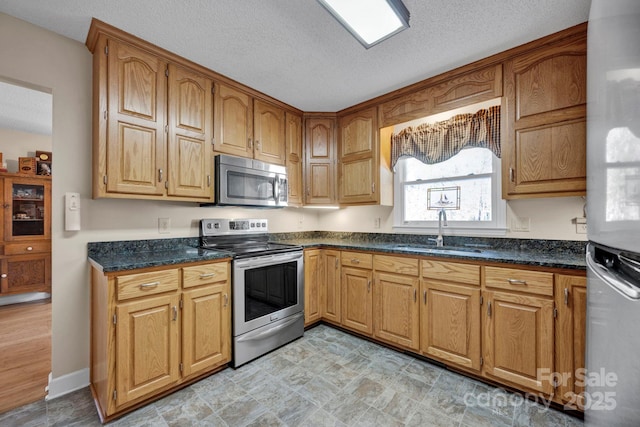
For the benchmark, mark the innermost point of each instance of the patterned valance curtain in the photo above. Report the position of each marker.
(437, 142)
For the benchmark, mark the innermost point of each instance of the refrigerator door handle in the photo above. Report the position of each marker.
(612, 279)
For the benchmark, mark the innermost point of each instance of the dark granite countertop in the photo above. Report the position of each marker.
(552, 256)
(131, 255)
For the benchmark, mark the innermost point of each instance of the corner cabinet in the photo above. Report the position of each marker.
(154, 330)
(294, 158)
(358, 158)
(153, 125)
(25, 263)
(544, 121)
(320, 160)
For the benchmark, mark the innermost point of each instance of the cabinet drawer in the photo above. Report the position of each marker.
(394, 264)
(204, 274)
(143, 284)
(356, 259)
(451, 272)
(533, 282)
(26, 248)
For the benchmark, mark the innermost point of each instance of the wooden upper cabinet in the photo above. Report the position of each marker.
(358, 158)
(452, 92)
(320, 160)
(136, 110)
(544, 121)
(294, 158)
(233, 121)
(190, 133)
(269, 133)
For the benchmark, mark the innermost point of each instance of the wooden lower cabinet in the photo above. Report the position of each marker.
(357, 299)
(313, 281)
(153, 330)
(25, 273)
(148, 349)
(331, 288)
(518, 339)
(450, 323)
(571, 301)
(396, 312)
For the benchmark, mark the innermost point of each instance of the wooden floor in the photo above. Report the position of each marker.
(25, 353)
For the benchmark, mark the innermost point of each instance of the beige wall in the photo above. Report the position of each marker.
(14, 144)
(41, 58)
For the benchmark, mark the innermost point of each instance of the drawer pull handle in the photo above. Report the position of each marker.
(355, 261)
(29, 248)
(3, 275)
(207, 275)
(149, 285)
(517, 282)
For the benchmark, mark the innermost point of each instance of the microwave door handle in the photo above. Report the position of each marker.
(276, 189)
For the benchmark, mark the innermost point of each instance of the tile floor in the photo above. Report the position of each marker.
(326, 378)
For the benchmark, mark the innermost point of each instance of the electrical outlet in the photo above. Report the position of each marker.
(581, 225)
(520, 224)
(376, 222)
(164, 225)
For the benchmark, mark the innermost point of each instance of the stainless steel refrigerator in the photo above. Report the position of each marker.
(613, 214)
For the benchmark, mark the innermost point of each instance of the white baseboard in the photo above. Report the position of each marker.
(68, 383)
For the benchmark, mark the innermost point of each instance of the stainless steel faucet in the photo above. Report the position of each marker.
(442, 222)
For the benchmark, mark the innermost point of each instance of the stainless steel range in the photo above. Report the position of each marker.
(267, 285)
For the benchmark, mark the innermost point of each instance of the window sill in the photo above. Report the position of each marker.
(453, 231)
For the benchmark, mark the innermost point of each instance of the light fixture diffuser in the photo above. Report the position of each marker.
(370, 21)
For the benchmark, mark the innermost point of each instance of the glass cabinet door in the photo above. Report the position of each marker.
(27, 206)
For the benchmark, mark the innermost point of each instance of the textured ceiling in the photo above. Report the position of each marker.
(24, 109)
(296, 52)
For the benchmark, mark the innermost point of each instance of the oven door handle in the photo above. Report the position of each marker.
(254, 336)
(267, 260)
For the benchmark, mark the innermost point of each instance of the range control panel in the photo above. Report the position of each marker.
(221, 227)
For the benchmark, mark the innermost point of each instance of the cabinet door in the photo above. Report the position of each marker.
(544, 143)
(147, 346)
(312, 281)
(450, 323)
(26, 273)
(27, 213)
(190, 133)
(331, 287)
(358, 158)
(269, 135)
(357, 299)
(233, 121)
(396, 310)
(136, 145)
(320, 176)
(518, 339)
(206, 328)
(571, 300)
(294, 158)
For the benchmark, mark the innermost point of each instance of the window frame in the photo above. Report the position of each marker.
(495, 228)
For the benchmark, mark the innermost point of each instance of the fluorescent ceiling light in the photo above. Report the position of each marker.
(370, 21)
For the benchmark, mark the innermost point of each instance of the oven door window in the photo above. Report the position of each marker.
(243, 185)
(270, 289)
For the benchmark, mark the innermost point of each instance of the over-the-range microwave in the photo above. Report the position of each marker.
(247, 182)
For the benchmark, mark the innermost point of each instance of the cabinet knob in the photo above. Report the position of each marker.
(29, 248)
(3, 275)
(6, 205)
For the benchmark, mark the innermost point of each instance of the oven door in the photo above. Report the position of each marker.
(266, 289)
(237, 185)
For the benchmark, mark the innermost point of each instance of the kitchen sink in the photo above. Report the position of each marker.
(453, 250)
